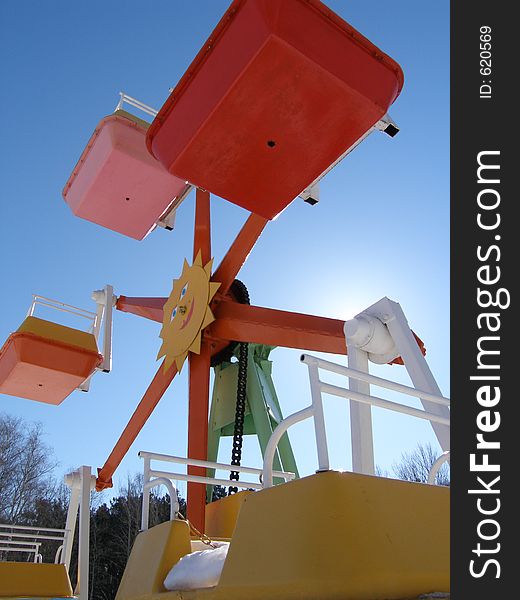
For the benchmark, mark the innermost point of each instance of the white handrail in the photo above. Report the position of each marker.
(195, 462)
(29, 528)
(335, 390)
(61, 306)
(280, 429)
(437, 465)
(205, 480)
(153, 477)
(136, 104)
(373, 379)
(315, 410)
(40, 537)
(151, 483)
(26, 538)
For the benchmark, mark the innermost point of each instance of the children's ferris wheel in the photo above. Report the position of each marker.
(280, 94)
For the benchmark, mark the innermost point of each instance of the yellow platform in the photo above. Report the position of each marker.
(34, 580)
(328, 536)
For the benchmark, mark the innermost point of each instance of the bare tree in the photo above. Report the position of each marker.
(416, 466)
(26, 467)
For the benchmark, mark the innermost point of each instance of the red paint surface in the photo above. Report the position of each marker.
(280, 90)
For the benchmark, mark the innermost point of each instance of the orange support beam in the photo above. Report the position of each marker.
(202, 237)
(199, 372)
(149, 308)
(199, 365)
(244, 323)
(238, 252)
(144, 409)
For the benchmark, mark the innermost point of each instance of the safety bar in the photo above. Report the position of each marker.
(136, 104)
(154, 477)
(437, 465)
(18, 546)
(315, 410)
(61, 306)
(385, 124)
(24, 538)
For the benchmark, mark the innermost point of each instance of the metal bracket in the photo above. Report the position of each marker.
(106, 301)
(386, 124)
(167, 219)
(391, 337)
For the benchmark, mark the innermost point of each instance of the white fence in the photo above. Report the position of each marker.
(156, 477)
(28, 540)
(315, 410)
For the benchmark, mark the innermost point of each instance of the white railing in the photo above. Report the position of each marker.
(315, 410)
(100, 320)
(155, 477)
(445, 456)
(24, 538)
(136, 104)
(61, 306)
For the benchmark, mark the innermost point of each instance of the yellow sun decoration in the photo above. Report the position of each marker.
(187, 312)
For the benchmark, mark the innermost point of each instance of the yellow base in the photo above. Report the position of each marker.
(34, 580)
(329, 536)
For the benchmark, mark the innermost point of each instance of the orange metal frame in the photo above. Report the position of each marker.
(233, 321)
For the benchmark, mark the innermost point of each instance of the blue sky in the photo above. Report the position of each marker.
(381, 228)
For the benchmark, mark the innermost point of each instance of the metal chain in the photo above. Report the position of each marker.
(238, 433)
(202, 536)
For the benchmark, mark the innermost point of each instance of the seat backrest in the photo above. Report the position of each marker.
(154, 553)
(60, 333)
(22, 579)
(222, 515)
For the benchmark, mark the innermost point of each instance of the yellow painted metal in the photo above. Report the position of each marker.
(187, 312)
(222, 515)
(123, 113)
(341, 535)
(29, 580)
(60, 333)
(154, 553)
(334, 536)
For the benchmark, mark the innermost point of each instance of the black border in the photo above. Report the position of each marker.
(481, 124)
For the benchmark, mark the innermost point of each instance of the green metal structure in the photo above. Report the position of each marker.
(262, 411)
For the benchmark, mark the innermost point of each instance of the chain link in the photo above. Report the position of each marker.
(202, 536)
(238, 433)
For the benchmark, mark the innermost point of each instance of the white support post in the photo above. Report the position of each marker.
(416, 365)
(319, 418)
(72, 480)
(105, 301)
(107, 334)
(385, 334)
(145, 509)
(360, 416)
(84, 533)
